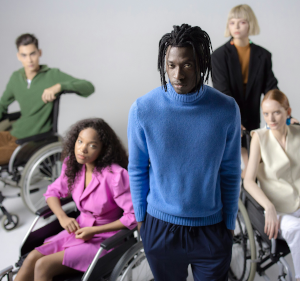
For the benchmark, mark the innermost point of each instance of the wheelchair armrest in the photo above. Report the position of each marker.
(38, 137)
(116, 239)
(245, 133)
(6, 270)
(253, 201)
(11, 116)
(46, 211)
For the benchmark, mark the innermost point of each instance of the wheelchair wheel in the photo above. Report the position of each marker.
(42, 169)
(133, 266)
(10, 225)
(243, 249)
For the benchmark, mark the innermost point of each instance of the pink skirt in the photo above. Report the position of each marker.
(78, 253)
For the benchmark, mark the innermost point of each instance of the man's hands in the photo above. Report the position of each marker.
(271, 222)
(85, 233)
(49, 93)
(69, 224)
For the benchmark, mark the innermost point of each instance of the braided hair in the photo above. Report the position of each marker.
(184, 36)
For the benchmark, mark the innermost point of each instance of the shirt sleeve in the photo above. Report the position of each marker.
(59, 188)
(121, 192)
(230, 170)
(6, 99)
(138, 167)
(68, 83)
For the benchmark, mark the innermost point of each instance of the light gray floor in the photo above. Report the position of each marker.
(10, 241)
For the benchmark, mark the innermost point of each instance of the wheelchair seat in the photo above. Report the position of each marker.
(253, 251)
(125, 259)
(34, 164)
(21, 155)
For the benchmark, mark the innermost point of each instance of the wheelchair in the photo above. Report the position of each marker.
(252, 250)
(126, 262)
(34, 164)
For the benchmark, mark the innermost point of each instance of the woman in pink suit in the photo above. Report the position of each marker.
(94, 172)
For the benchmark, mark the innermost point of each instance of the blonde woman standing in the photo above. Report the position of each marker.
(242, 69)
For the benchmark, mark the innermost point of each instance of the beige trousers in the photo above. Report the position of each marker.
(7, 146)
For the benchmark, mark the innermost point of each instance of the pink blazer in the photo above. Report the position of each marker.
(107, 198)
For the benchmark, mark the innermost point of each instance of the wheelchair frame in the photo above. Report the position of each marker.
(127, 253)
(270, 252)
(28, 148)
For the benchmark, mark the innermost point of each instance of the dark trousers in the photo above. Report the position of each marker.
(171, 248)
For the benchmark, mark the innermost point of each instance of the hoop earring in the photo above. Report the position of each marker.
(267, 127)
(288, 121)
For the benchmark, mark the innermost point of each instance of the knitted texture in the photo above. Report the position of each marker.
(184, 157)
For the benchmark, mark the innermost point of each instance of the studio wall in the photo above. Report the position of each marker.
(114, 45)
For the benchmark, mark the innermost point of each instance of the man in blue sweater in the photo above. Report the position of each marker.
(184, 163)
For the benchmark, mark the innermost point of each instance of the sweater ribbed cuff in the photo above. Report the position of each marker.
(229, 220)
(140, 212)
(65, 85)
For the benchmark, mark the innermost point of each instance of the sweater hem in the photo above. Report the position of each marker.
(186, 221)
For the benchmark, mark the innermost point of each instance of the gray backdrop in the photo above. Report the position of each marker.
(114, 44)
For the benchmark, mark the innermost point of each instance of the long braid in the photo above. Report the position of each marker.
(183, 36)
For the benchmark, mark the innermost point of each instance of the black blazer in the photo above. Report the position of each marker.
(227, 78)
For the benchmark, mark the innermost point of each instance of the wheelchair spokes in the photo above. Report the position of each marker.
(137, 269)
(42, 169)
(134, 266)
(240, 265)
(243, 249)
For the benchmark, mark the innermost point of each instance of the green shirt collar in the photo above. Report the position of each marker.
(43, 68)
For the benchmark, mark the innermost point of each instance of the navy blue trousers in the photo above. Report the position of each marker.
(171, 248)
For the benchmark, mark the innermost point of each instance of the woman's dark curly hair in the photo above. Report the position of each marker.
(112, 152)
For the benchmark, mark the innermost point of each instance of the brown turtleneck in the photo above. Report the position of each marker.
(244, 58)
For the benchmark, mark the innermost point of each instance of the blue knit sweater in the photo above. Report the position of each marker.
(184, 157)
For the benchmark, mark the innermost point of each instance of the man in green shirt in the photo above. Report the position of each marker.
(34, 87)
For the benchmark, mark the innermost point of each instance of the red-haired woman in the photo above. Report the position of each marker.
(275, 161)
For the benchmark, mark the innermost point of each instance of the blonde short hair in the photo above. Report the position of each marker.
(243, 12)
